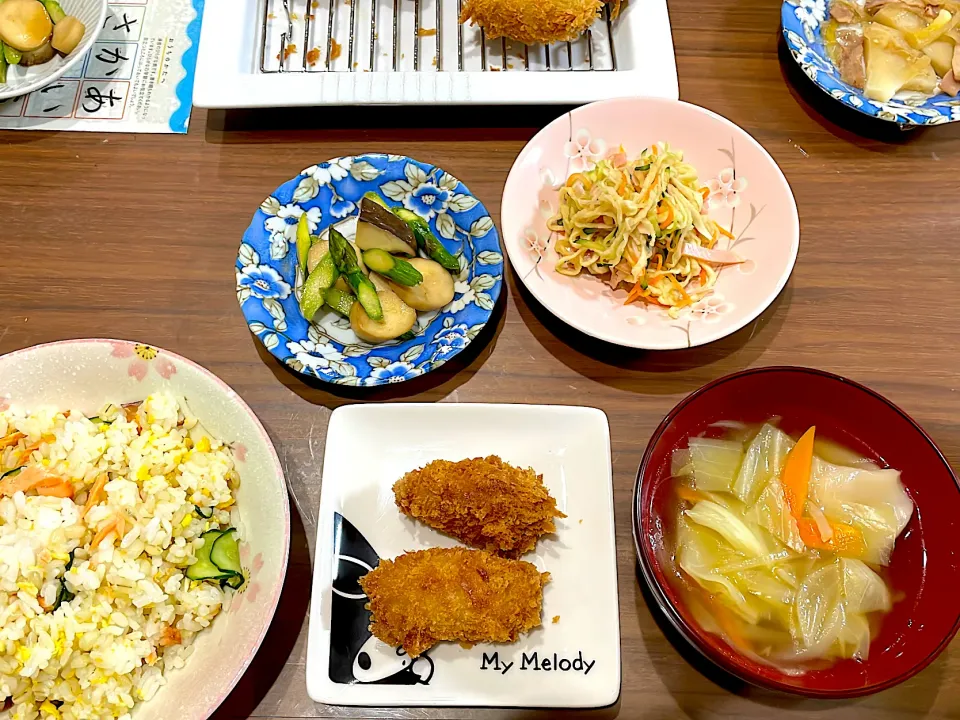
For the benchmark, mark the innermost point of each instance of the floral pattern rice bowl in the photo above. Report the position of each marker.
(96, 614)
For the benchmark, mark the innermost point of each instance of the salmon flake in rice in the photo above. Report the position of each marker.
(94, 640)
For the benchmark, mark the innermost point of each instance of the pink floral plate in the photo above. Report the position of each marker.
(85, 375)
(748, 195)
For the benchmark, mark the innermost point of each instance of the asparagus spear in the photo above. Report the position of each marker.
(12, 55)
(400, 271)
(427, 241)
(322, 278)
(54, 10)
(373, 197)
(339, 301)
(304, 241)
(346, 261)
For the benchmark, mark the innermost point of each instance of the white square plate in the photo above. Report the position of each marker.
(574, 662)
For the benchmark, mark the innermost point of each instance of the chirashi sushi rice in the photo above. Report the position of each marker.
(122, 499)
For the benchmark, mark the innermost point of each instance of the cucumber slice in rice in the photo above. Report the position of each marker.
(203, 568)
(234, 581)
(225, 552)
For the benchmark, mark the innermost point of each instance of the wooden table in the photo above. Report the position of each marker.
(135, 237)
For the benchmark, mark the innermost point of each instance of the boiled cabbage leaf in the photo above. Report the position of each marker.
(873, 501)
(727, 525)
(770, 512)
(699, 554)
(714, 463)
(762, 462)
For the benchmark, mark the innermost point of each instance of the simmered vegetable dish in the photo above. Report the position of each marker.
(377, 281)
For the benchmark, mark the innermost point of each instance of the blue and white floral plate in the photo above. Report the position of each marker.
(268, 285)
(802, 20)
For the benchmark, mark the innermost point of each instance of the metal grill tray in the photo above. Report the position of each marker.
(276, 53)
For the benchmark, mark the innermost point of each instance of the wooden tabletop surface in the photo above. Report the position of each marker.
(135, 237)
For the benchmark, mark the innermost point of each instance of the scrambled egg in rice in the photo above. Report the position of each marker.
(121, 501)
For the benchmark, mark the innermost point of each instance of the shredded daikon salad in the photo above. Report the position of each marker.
(642, 223)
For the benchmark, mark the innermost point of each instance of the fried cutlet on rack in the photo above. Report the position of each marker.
(540, 21)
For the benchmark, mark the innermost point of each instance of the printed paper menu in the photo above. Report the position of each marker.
(138, 76)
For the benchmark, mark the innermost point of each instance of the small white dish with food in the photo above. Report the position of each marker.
(527, 490)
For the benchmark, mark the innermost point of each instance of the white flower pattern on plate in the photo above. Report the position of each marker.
(430, 198)
(710, 308)
(283, 227)
(314, 355)
(725, 190)
(583, 151)
(533, 242)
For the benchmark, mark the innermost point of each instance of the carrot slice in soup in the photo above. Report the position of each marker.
(796, 474)
(846, 540)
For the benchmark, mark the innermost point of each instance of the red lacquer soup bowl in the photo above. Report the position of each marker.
(924, 571)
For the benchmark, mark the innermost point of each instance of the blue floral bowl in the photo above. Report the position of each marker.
(802, 20)
(269, 279)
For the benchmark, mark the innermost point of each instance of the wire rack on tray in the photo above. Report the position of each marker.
(302, 36)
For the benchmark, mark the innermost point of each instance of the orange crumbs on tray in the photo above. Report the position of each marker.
(556, 619)
(313, 56)
(335, 50)
(427, 32)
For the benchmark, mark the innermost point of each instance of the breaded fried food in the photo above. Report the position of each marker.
(532, 21)
(483, 502)
(468, 596)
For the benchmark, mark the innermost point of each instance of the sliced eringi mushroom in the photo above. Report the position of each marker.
(378, 228)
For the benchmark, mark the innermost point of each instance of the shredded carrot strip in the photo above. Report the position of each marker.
(705, 191)
(93, 497)
(55, 487)
(668, 218)
(36, 478)
(703, 277)
(11, 439)
(115, 525)
(726, 232)
(635, 292)
(728, 623)
(689, 494)
(28, 451)
(579, 177)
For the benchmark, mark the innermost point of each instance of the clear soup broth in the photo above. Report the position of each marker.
(780, 543)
